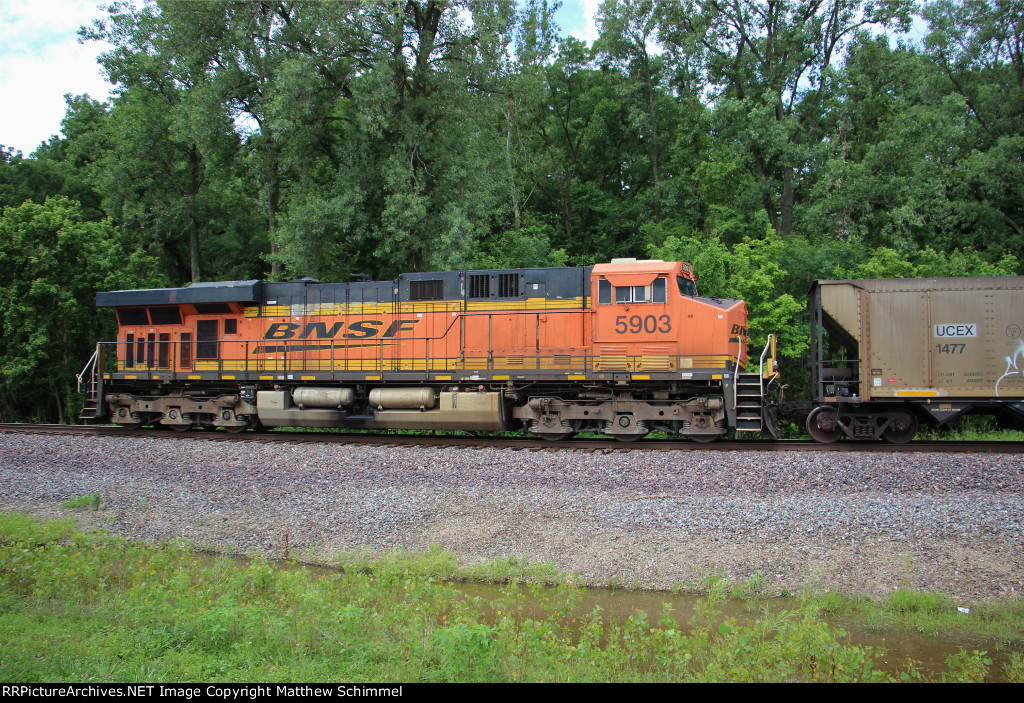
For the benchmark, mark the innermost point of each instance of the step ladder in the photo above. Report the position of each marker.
(90, 385)
(750, 394)
(749, 402)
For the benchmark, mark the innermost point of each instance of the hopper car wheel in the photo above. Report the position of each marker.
(901, 429)
(132, 426)
(235, 429)
(182, 428)
(822, 425)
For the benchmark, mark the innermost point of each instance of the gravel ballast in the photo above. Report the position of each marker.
(861, 523)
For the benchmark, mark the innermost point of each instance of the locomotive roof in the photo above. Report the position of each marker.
(201, 292)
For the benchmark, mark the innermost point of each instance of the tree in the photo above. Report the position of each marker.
(770, 68)
(979, 47)
(52, 263)
(170, 148)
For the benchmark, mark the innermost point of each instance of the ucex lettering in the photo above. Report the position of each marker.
(956, 330)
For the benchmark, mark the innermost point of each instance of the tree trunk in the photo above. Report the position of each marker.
(193, 218)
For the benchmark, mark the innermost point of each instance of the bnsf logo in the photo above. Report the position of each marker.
(741, 331)
(361, 329)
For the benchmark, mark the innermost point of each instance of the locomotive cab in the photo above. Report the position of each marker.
(650, 311)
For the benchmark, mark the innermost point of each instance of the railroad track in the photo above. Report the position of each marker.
(527, 443)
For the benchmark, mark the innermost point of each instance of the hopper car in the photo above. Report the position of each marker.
(890, 354)
(620, 348)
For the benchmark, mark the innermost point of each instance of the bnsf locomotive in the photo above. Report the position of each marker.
(619, 348)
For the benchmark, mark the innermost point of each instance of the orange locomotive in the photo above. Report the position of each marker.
(619, 348)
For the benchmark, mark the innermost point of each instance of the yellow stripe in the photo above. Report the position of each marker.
(577, 377)
(341, 309)
(306, 378)
(227, 378)
(373, 378)
(266, 378)
(916, 394)
(442, 378)
(130, 376)
(642, 377)
(500, 378)
(194, 378)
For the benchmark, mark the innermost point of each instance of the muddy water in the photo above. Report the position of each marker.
(899, 645)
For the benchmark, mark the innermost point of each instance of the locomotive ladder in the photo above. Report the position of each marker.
(90, 385)
(750, 395)
(749, 402)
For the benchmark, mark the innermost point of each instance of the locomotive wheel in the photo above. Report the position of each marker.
(555, 436)
(629, 437)
(822, 425)
(702, 438)
(901, 429)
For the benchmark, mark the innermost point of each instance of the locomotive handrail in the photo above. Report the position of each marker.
(764, 354)
(90, 363)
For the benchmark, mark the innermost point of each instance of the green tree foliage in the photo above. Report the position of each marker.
(52, 263)
(770, 67)
(888, 263)
(978, 46)
(170, 167)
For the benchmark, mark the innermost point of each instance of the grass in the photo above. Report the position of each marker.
(94, 607)
(89, 501)
(973, 428)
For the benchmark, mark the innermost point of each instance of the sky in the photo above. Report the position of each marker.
(41, 60)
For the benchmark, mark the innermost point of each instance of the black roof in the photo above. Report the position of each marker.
(211, 292)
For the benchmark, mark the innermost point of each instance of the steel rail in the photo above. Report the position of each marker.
(530, 443)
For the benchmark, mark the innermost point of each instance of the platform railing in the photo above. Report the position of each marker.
(176, 360)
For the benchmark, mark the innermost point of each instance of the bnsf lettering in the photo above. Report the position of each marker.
(281, 330)
(361, 329)
(741, 331)
(320, 328)
(400, 326)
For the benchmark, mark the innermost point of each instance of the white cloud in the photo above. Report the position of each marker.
(40, 61)
(589, 32)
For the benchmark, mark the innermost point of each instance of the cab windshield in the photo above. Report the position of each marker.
(686, 286)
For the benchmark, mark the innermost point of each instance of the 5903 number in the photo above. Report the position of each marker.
(636, 324)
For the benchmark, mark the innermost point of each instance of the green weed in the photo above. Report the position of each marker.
(96, 607)
(89, 501)
(907, 601)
